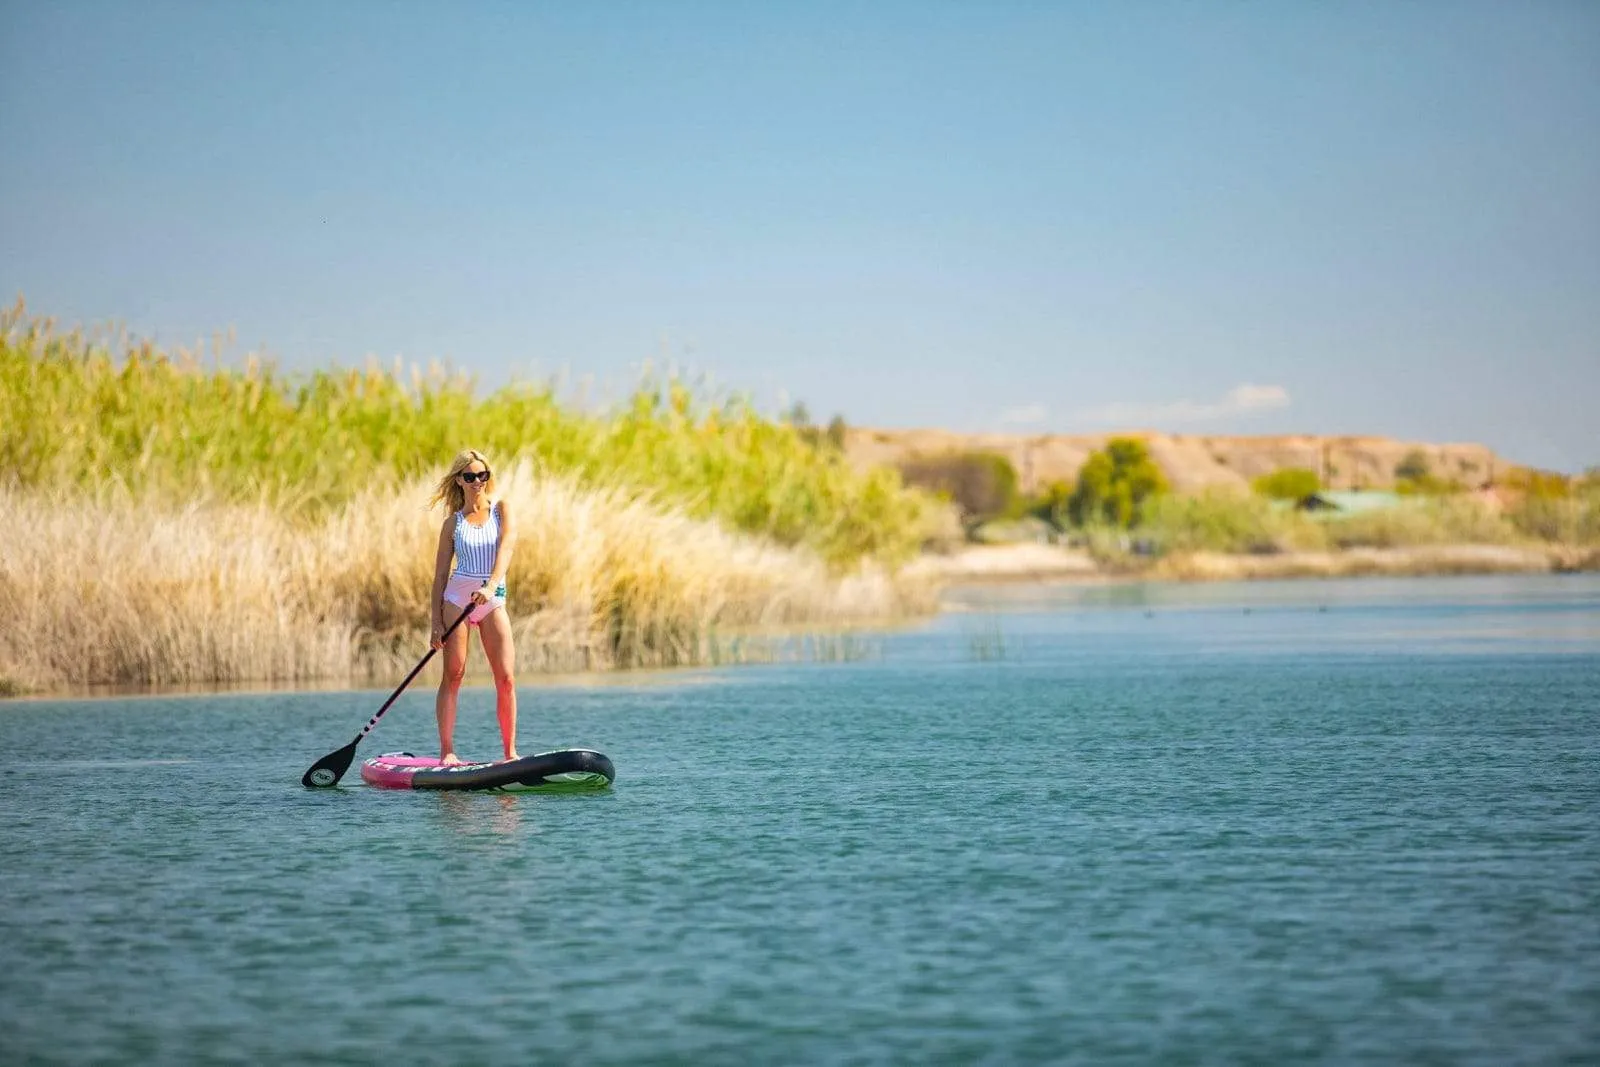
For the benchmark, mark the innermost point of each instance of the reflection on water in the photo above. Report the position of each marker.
(485, 814)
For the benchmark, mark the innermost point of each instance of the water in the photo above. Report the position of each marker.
(1322, 822)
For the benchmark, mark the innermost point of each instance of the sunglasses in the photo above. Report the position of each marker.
(474, 476)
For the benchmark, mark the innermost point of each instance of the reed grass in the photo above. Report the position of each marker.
(1228, 534)
(1571, 520)
(1229, 522)
(109, 588)
(1224, 521)
(1424, 521)
(102, 411)
(988, 642)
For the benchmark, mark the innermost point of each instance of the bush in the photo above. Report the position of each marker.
(1413, 467)
(1546, 484)
(1413, 476)
(1437, 521)
(1553, 507)
(1289, 483)
(1114, 485)
(982, 484)
(1574, 520)
(1225, 521)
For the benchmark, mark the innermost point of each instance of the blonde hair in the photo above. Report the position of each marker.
(449, 491)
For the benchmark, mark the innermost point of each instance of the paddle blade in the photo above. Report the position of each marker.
(330, 768)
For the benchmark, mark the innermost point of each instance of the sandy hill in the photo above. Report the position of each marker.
(1191, 462)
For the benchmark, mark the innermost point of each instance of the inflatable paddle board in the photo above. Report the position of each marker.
(571, 768)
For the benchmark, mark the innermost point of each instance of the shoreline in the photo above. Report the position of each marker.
(970, 566)
(1020, 563)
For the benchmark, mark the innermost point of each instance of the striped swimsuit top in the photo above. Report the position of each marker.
(476, 545)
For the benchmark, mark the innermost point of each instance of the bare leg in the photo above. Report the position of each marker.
(455, 668)
(501, 652)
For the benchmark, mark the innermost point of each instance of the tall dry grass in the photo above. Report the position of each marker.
(1229, 534)
(104, 587)
(1223, 521)
(98, 410)
(1422, 522)
(1226, 521)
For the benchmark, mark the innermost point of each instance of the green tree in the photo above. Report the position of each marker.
(1051, 504)
(1114, 484)
(983, 485)
(1413, 467)
(1414, 476)
(836, 432)
(1288, 483)
(1547, 485)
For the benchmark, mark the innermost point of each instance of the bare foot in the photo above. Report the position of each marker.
(449, 759)
(511, 756)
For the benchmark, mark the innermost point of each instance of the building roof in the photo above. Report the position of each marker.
(1351, 501)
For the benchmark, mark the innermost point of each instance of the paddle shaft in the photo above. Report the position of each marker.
(423, 662)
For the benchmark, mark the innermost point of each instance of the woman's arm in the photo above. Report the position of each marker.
(502, 553)
(441, 568)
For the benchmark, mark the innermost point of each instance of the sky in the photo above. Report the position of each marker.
(977, 215)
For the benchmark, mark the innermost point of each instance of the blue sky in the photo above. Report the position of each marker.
(1200, 217)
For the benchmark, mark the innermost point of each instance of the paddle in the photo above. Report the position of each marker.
(330, 768)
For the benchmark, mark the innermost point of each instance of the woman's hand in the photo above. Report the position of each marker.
(484, 594)
(437, 641)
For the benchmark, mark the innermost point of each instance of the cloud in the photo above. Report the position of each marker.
(1240, 400)
(1026, 415)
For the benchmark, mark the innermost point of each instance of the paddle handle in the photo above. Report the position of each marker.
(423, 662)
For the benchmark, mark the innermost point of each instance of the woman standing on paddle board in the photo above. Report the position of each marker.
(478, 534)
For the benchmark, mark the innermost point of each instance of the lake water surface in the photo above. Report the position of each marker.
(1313, 822)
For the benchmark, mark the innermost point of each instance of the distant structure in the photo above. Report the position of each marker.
(1333, 502)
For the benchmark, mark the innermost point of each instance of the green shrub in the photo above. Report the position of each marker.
(1114, 484)
(982, 484)
(1429, 521)
(1413, 466)
(1571, 520)
(1226, 521)
(1413, 476)
(1288, 483)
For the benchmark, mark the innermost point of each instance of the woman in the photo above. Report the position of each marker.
(478, 534)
